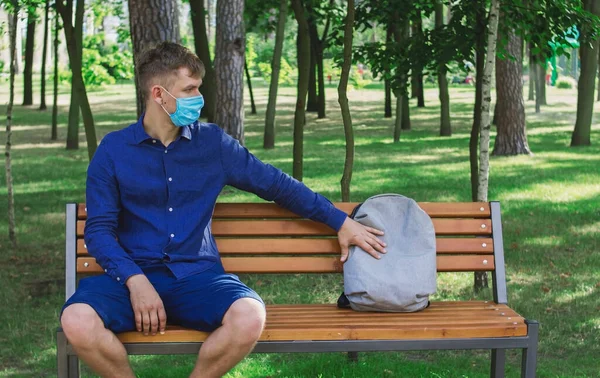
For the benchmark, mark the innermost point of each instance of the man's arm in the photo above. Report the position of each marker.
(103, 207)
(246, 172)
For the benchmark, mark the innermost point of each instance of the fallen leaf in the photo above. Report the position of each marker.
(565, 275)
(514, 246)
(545, 289)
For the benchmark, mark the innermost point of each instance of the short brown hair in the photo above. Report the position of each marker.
(163, 60)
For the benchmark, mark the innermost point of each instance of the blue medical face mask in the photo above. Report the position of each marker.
(188, 109)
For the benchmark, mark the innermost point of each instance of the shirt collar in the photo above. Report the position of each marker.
(140, 135)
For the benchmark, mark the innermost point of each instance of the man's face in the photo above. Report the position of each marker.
(180, 86)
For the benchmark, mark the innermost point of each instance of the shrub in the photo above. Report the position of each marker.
(566, 82)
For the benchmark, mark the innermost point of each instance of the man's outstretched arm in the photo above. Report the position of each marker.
(245, 171)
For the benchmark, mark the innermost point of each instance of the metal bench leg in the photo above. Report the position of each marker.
(498, 363)
(353, 356)
(73, 367)
(529, 360)
(68, 366)
(62, 360)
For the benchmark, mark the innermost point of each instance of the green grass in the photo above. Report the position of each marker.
(551, 214)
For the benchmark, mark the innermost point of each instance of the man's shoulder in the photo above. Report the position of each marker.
(118, 137)
(206, 130)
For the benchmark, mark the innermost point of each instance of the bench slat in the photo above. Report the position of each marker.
(310, 228)
(441, 320)
(466, 263)
(271, 210)
(274, 246)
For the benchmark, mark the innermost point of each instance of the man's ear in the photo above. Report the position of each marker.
(156, 94)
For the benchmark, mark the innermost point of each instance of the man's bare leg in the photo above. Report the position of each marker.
(242, 325)
(95, 345)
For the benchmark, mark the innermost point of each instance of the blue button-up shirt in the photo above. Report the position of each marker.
(148, 204)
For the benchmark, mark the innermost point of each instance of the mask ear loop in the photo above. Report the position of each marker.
(161, 105)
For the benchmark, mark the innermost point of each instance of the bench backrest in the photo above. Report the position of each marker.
(264, 238)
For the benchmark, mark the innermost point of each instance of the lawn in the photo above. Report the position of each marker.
(550, 203)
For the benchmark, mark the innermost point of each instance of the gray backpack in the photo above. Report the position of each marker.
(404, 278)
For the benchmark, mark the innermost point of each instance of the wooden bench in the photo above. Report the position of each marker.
(263, 238)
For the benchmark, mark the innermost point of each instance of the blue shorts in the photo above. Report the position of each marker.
(198, 302)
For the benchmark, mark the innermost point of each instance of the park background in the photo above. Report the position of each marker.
(415, 96)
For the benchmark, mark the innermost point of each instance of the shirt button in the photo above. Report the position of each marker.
(118, 278)
(166, 151)
(170, 209)
(170, 178)
(153, 140)
(105, 270)
(172, 235)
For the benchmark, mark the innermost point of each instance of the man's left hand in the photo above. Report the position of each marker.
(354, 233)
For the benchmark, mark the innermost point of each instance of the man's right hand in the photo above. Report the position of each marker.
(147, 306)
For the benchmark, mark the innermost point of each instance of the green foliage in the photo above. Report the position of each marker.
(357, 80)
(287, 73)
(105, 64)
(566, 82)
(94, 74)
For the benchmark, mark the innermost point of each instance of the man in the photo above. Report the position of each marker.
(151, 190)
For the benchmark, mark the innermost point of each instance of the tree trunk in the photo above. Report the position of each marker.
(398, 121)
(401, 33)
(532, 80)
(418, 76)
(201, 45)
(542, 80)
(44, 53)
(511, 138)
(303, 74)
(29, 48)
(74, 106)
(73, 122)
(313, 97)
(321, 83)
(388, 99)
(249, 80)
(73, 36)
(229, 67)
(151, 22)
(598, 98)
(387, 82)
(13, 16)
(585, 86)
(480, 278)
(484, 140)
(538, 87)
(343, 100)
(269, 137)
(209, 7)
(445, 126)
(54, 133)
(405, 113)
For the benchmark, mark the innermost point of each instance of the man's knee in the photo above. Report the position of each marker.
(81, 324)
(246, 317)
